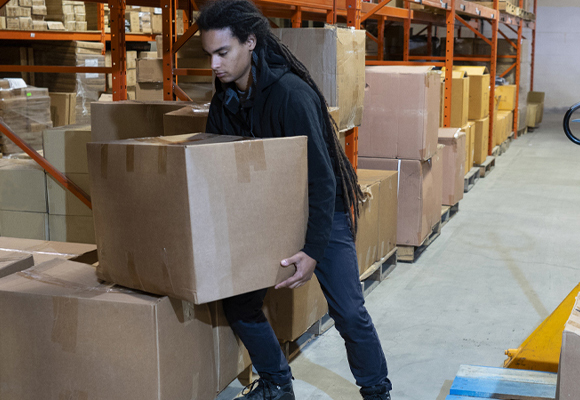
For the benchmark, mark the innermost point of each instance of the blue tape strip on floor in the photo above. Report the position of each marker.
(488, 388)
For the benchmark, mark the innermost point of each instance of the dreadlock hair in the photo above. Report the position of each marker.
(243, 18)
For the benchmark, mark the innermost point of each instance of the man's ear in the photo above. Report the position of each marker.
(251, 42)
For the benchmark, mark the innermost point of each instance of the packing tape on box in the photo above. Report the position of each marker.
(65, 324)
(249, 153)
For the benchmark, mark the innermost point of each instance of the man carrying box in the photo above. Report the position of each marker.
(262, 90)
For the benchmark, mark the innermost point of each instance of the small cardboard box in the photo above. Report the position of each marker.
(22, 224)
(150, 70)
(403, 126)
(186, 120)
(83, 329)
(533, 114)
(507, 99)
(22, 186)
(459, 99)
(71, 228)
(66, 148)
(479, 87)
(481, 146)
(420, 194)
(12, 262)
(453, 159)
(214, 227)
(335, 58)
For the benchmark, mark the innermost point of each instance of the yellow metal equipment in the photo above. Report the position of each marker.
(541, 350)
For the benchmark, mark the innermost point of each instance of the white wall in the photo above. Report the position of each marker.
(557, 61)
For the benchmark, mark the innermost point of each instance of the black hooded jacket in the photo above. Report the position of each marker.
(281, 104)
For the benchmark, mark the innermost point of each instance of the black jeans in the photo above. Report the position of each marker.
(339, 278)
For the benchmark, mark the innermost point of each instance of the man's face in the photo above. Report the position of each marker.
(230, 59)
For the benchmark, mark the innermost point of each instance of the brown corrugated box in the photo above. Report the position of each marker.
(507, 97)
(335, 58)
(185, 120)
(420, 193)
(150, 70)
(479, 81)
(469, 130)
(81, 338)
(43, 250)
(402, 126)
(12, 262)
(368, 224)
(213, 227)
(66, 148)
(22, 186)
(481, 145)
(453, 158)
(459, 99)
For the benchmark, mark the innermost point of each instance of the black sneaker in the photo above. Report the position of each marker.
(375, 393)
(382, 396)
(262, 389)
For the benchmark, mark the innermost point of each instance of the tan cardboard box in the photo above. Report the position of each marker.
(3, 22)
(22, 186)
(149, 92)
(13, 23)
(133, 18)
(367, 238)
(404, 126)
(66, 148)
(72, 228)
(12, 262)
(22, 224)
(149, 70)
(83, 330)
(131, 77)
(232, 358)
(215, 227)
(507, 100)
(116, 120)
(469, 131)
(509, 123)
(567, 384)
(500, 128)
(63, 202)
(420, 194)
(387, 204)
(479, 82)
(131, 59)
(186, 120)
(157, 23)
(43, 250)
(335, 58)
(533, 114)
(459, 99)
(62, 108)
(292, 311)
(453, 159)
(481, 146)
(537, 98)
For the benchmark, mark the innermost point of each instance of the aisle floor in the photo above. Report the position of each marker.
(499, 268)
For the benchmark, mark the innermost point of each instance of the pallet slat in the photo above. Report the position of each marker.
(471, 179)
(487, 166)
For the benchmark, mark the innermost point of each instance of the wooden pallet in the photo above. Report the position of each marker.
(412, 253)
(474, 382)
(496, 152)
(487, 166)
(471, 179)
(378, 272)
(505, 146)
(523, 131)
(448, 212)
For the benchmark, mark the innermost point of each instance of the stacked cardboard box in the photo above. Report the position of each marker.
(72, 14)
(23, 15)
(23, 200)
(453, 156)
(535, 109)
(70, 220)
(26, 111)
(400, 134)
(335, 58)
(87, 86)
(140, 19)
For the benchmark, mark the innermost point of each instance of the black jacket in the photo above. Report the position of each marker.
(282, 104)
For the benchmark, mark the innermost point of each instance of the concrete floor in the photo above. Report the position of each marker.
(499, 268)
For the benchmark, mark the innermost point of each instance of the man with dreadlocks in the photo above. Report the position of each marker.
(262, 90)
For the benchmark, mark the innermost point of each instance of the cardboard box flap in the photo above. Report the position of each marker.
(69, 279)
(472, 70)
(367, 177)
(449, 135)
(536, 97)
(46, 248)
(459, 74)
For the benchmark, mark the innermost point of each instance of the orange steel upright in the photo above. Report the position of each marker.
(518, 72)
(450, 39)
(353, 19)
(118, 49)
(167, 14)
(492, 74)
(533, 48)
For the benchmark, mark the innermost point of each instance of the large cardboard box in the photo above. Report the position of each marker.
(71, 228)
(213, 227)
(420, 193)
(508, 124)
(507, 97)
(533, 115)
(453, 159)
(403, 125)
(500, 128)
(232, 358)
(479, 87)
(43, 250)
(147, 91)
(292, 311)
(459, 99)
(66, 148)
(481, 141)
(367, 237)
(388, 182)
(568, 386)
(190, 119)
(117, 120)
(335, 58)
(62, 202)
(82, 339)
(22, 186)
(12, 262)
(62, 108)
(22, 224)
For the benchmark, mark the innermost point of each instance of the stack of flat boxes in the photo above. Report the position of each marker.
(146, 20)
(70, 220)
(400, 134)
(71, 13)
(27, 112)
(24, 15)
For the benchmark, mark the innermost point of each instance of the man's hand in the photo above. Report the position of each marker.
(304, 269)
